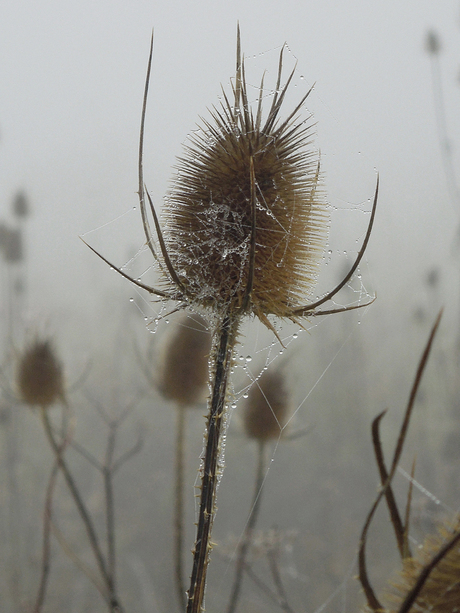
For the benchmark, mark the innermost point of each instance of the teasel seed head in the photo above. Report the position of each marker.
(40, 378)
(440, 592)
(246, 221)
(267, 407)
(183, 369)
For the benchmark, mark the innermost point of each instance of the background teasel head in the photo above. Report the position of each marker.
(183, 370)
(40, 378)
(431, 578)
(267, 408)
(245, 220)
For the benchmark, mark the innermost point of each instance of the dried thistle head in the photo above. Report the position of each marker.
(267, 408)
(439, 566)
(183, 370)
(245, 220)
(39, 377)
(11, 244)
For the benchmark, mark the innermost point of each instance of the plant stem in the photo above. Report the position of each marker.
(224, 339)
(179, 508)
(112, 599)
(107, 472)
(46, 555)
(246, 539)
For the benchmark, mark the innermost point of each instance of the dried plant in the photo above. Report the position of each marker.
(182, 369)
(40, 384)
(429, 581)
(183, 374)
(40, 377)
(245, 228)
(265, 414)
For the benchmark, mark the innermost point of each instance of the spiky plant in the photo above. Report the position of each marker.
(429, 581)
(245, 228)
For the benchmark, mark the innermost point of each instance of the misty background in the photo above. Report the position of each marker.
(71, 85)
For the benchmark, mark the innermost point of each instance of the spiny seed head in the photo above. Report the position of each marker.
(40, 378)
(246, 193)
(183, 371)
(441, 590)
(267, 408)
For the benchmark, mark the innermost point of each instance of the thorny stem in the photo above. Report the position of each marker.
(179, 509)
(246, 539)
(224, 340)
(112, 600)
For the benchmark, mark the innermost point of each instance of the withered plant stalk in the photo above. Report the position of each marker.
(223, 342)
(245, 228)
(179, 507)
(246, 538)
(111, 596)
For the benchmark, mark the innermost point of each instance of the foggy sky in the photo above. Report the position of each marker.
(71, 81)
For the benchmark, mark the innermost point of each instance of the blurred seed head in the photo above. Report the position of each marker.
(40, 378)
(441, 591)
(267, 408)
(183, 367)
(432, 43)
(11, 244)
(208, 212)
(21, 206)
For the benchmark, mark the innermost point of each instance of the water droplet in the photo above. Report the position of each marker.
(241, 358)
(295, 335)
(248, 358)
(246, 395)
(234, 405)
(131, 299)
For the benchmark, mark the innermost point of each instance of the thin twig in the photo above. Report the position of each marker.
(46, 555)
(272, 556)
(83, 512)
(179, 509)
(86, 570)
(109, 504)
(246, 538)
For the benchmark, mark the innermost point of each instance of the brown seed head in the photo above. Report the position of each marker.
(267, 408)
(11, 244)
(39, 377)
(432, 43)
(239, 170)
(441, 591)
(183, 372)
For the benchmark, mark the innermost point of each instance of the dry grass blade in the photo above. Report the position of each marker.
(372, 599)
(396, 521)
